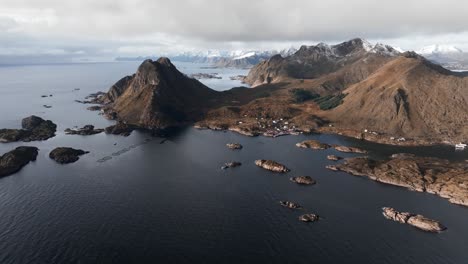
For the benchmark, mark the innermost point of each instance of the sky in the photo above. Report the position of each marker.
(58, 30)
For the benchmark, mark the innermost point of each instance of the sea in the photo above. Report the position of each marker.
(144, 199)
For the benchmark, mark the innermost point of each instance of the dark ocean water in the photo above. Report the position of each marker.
(171, 202)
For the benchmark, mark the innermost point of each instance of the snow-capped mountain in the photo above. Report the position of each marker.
(221, 58)
(439, 49)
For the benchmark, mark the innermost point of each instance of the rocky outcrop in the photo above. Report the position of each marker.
(120, 128)
(232, 164)
(334, 158)
(290, 205)
(303, 180)
(234, 146)
(271, 166)
(415, 220)
(349, 149)
(84, 131)
(309, 218)
(312, 144)
(11, 162)
(66, 155)
(437, 176)
(33, 128)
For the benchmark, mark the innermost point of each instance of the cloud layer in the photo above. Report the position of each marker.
(80, 25)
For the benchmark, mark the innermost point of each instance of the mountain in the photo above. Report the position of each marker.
(158, 96)
(408, 96)
(311, 62)
(371, 92)
(448, 56)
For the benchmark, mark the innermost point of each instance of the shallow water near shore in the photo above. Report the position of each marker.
(169, 201)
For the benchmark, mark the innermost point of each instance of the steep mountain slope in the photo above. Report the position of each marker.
(158, 96)
(409, 96)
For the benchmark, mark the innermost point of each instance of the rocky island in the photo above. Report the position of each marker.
(290, 205)
(415, 220)
(66, 155)
(271, 166)
(11, 162)
(313, 144)
(34, 128)
(432, 175)
(303, 180)
(84, 131)
(309, 218)
(234, 146)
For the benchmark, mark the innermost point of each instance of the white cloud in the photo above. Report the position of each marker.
(162, 27)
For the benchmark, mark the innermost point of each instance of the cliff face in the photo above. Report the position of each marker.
(159, 96)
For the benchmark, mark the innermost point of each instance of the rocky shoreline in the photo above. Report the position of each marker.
(432, 175)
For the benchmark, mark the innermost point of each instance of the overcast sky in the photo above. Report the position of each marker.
(56, 29)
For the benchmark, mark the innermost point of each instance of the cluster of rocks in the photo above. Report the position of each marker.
(415, 220)
(432, 175)
(65, 155)
(272, 166)
(84, 131)
(33, 128)
(11, 162)
(303, 180)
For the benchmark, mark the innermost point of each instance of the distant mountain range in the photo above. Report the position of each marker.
(448, 56)
(235, 59)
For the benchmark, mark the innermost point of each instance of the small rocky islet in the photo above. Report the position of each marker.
(65, 155)
(313, 144)
(309, 218)
(303, 180)
(87, 130)
(33, 128)
(272, 166)
(234, 146)
(415, 220)
(13, 161)
(290, 205)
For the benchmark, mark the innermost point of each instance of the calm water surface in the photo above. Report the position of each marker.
(171, 202)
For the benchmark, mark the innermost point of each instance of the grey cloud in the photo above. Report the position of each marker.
(123, 25)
